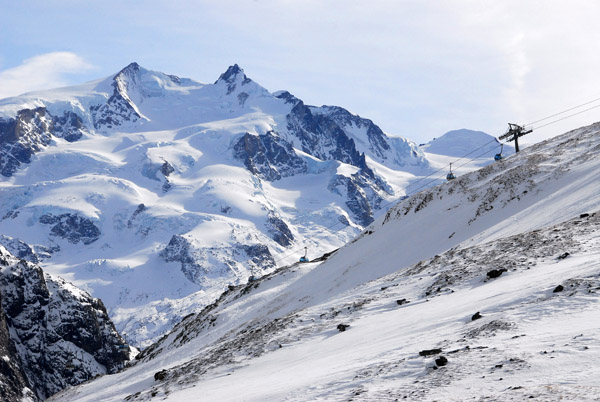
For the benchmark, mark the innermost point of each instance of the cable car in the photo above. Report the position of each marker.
(450, 175)
(304, 259)
(499, 156)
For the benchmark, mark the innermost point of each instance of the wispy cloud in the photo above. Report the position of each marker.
(45, 71)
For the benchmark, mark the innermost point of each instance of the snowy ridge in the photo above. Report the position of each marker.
(155, 192)
(484, 287)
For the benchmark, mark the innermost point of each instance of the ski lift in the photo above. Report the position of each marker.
(450, 175)
(304, 259)
(499, 156)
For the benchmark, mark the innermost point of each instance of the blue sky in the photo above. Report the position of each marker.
(417, 68)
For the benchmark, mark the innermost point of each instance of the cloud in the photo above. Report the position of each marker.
(45, 71)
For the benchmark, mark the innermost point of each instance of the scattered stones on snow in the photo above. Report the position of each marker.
(441, 361)
(476, 316)
(430, 352)
(495, 273)
(160, 375)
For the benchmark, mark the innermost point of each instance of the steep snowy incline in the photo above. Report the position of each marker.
(468, 271)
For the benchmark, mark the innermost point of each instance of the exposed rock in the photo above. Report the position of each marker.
(30, 131)
(160, 375)
(476, 316)
(279, 230)
(559, 288)
(140, 208)
(490, 329)
(342, 327)
(269, 156)
(430, 352)
(68, 126)
(563, 256)
(62, 335)
(119, 108)
(287, 97)
(402, 302)
(361, 193)
(72, 227)
(378, 143)
(322, 137)
(200, 264)
(166, 169)
(13, 382)
(441, 361)
(495, 273)
(230, 78)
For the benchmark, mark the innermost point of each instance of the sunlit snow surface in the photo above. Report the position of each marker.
(412, 282)
(112, 176)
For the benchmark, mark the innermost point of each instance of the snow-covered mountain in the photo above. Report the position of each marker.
(154, 192)
(484, 288)
(458, 143)
(52, 335)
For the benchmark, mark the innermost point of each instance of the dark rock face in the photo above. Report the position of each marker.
(60, 332)
(68, 126)
(288, 98)
(268, 156)
(119, 108)
(166, 169)
(31, 130)
(558, 289)
(280, 232)
(140, 208)
(255, 257)
(27, 252)
(361, 193)
(230, 78)
(378, 144)
(72, 227)
(322, 137)
(13, 383)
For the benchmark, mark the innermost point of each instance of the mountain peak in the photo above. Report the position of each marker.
(230, 76)
(130, 70)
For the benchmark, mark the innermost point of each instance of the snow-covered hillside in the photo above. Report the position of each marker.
(155, 192)
(482, 288)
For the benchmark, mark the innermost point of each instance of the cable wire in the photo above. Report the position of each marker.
(566, 117)
(414, 191)
(564, 111)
